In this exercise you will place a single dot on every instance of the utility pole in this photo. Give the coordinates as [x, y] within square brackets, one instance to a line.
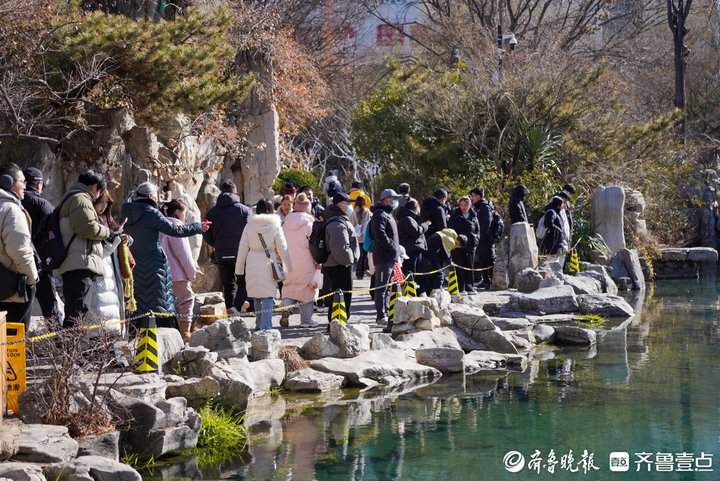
[498, 5]
[678, 12]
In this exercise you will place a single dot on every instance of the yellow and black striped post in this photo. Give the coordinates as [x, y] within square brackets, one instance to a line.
[338, 312]
[147, 356]
[573, 262]
[394, 294]
[453, 286]
[410, 288]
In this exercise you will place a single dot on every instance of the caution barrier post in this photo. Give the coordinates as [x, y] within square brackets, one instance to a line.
[453, 286]
[147, 355]
[410, 288]
[15, 365]
[338, 312]
[394, 294]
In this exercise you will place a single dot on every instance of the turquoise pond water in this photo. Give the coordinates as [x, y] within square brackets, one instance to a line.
[651, 388]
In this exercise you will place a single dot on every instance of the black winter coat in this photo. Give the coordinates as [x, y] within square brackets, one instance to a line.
[229, 218]
[552, 241]
[433, 211]
[39, 209]
[516, 207]
[469, 227]
[484, 211]
[385, 235]
[411, 231]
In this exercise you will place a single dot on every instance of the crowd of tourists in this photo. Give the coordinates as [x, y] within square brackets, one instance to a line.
[293, 247]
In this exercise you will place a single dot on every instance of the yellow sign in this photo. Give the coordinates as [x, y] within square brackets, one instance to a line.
[15, 365]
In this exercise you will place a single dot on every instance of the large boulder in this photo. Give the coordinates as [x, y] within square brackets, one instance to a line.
[21, 472]
[583, 284]
[703, 255]
[607, 215]
[554, 300]
[605, 305]
[626, 263]
[600, 274]
[446, 360]
[170, 342]
[388, 367]
[265, 344]
[352, 339]
[310, 380]
[96, 468]
[493, 340]
[320, 346]
[43, 443]
[501, 275]
[105, 445]
[228, 338]
[149, 387]
[511, 323]
[442, 337]
[574, 336]
[381, 340]
[470, 319]
[479, 360]
[528, 280]
[523, 250]
[195, 389]
[543, 333]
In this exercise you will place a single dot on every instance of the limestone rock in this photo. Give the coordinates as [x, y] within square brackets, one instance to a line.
[9, 435]
[703, 255]
[310, 380]
[195, 389]
[553, 300]
[478, 360]
[626, 263]
[265, 344]
[501, 276]
[442, 297]
[410, 310]
[194, 362]
[381, 340]
[583, 284]
[386, 367]
[523, 250]
[169, 343]
[442, 337]
[551, 281]
[149, 387]
[528, 280]
[607, 215]
[444, 359]
[228, 338]
[352, 339]
[543, 333]
[471, 320]
[105, 445]
[43, 443]
[600, 274]
[320, 346]
[605, 305]
[511, 324]
[574, 336]
[496, 340]
[259, 376]
[428, 324]
[96, 468]
[21, 472]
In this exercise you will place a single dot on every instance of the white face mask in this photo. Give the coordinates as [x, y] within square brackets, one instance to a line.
[395, 204]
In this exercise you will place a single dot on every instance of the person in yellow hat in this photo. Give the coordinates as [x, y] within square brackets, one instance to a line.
[356, 191]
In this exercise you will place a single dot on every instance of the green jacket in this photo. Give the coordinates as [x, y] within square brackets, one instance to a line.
[78, 218]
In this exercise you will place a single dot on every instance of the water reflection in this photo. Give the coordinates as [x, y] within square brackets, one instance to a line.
[651, 384]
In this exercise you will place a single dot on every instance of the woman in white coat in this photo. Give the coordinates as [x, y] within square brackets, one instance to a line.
[254, 263]
[301, 285]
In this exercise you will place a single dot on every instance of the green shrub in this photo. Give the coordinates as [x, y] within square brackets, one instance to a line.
[300, 178]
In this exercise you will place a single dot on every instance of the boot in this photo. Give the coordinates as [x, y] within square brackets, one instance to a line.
[285, 319]
[186, 330]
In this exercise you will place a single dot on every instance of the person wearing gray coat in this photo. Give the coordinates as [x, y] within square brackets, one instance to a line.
[343, 249]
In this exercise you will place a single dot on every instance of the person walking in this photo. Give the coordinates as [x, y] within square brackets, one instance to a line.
[360, 220]
[343, 250]
[105, 298]
[433, 210]
[386, 251]
[183, 267]
[552, 241]
[464, 221]
[485, 253]
[152, 277]
[516, 207]
[302, 283]
[19, 271]
[411, 232]
[263, 252]
[39, 209]
[228, 219]
[83, 235]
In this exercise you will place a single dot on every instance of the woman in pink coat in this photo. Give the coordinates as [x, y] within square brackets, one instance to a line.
[302, 283]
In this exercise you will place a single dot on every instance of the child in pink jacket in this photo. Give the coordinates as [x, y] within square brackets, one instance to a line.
[183, 267]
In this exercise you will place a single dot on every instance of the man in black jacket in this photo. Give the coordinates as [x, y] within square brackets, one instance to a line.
[485, 253]
[463, 221]
[229, 218]
[386, 250]
[39, 209]
[316, 209]
[433, 210]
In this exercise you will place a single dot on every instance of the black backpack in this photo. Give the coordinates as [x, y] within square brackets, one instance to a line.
[49, 244]
[496, 226]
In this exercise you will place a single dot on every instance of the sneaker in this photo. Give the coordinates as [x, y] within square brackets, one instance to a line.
[309, 324]
[382, 321]
[387, 329]
[245, 307]
[285, 319]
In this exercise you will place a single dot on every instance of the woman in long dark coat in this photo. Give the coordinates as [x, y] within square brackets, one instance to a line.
[553, 241]
[464, 221]
[153, 280]
[516, 207]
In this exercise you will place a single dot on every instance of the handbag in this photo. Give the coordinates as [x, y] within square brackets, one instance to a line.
[277, 270]
[12, 283]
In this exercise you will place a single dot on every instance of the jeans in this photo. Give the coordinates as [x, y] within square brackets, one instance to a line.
[383, 273]
[234, 287]
[76, 285]
[46, 295]
[263, 313]
[339, 277]
[19, 311]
